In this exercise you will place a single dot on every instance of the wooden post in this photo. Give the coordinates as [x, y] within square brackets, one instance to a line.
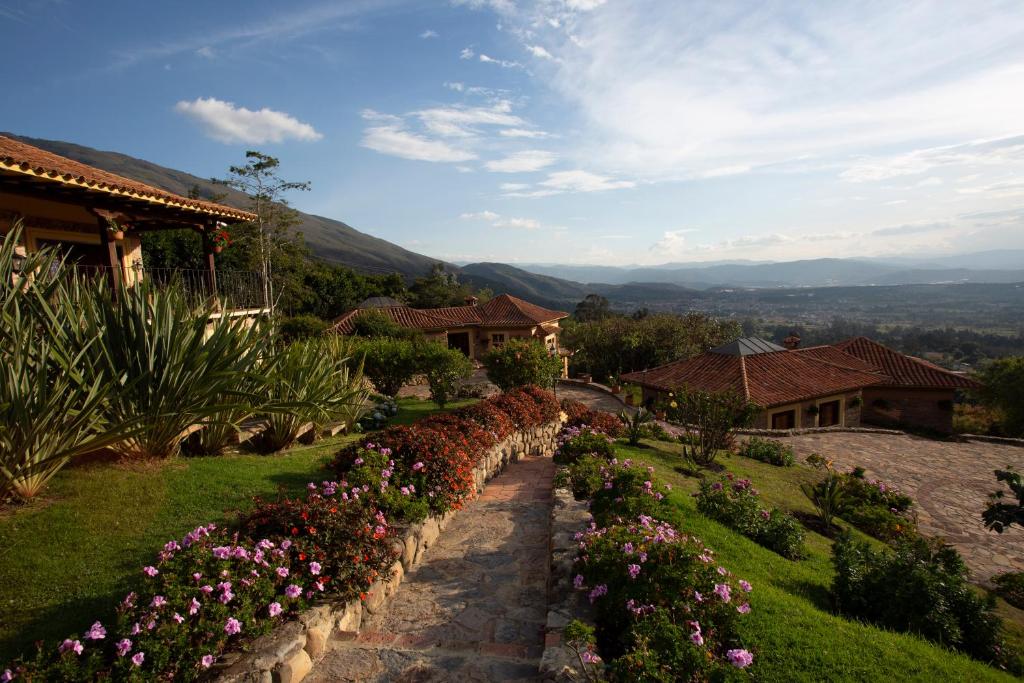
[111, 245]
[211, 258]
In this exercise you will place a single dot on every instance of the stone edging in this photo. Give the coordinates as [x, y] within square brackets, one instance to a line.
[288, 654]
[1005, 440]
[568, 516]
[816, 430]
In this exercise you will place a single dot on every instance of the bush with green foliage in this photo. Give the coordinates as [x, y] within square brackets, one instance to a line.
[575, 442]
[520, 363]
[737, 505]
[375, 323]
[1003, 389]
[444, 368]
[771, 451]
[709, 420]
[827, 496]
[1010, 585]
[920, 586]
[389, 363]
[999, 515]
[300, 328]
[636, 424]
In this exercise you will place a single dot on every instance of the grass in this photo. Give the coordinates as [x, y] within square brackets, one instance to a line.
[66, 560]
[794, 634]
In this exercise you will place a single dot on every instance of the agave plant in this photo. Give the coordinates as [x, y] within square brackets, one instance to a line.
[635, 424]
[172, 366]
[312, 383]
[51, 399]
[827, 495]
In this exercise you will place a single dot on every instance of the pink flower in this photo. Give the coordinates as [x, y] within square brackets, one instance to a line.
[589, 657]
[741, 659]
[274, 609]
[746, 586]
[193, 607]
[159, 601]
[96, 632]
[293, 591]
[138, 658]
[722, 591]
[124, 646]
[206, 662]
[696, 638]
[634, 570]
[744, 608]
[417, 467]
[71, 646]
[282, 572]
[207, 589]
[150, 571]
[178, 618]
[314, 568]
[577, 582]
[136, 629]
[6, 676]
[233, 627]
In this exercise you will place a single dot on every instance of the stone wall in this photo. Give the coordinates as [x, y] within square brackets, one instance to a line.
[289, 653]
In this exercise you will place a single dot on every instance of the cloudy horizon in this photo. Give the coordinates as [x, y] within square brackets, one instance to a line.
[568, 131]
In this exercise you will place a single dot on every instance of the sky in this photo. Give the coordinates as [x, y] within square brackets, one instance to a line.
[563, 131]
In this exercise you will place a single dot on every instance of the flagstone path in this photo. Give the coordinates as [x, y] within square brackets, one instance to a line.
[475, 608]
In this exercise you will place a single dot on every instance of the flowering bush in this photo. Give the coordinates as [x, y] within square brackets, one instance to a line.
[578, 414]
[665, 609]
[575, 442]
[874, 507]
[771, 451]
[737, 505]
[202, 594]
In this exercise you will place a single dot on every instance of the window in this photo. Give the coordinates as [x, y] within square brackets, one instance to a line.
[497, 339]
[784, 420]
[828, 414]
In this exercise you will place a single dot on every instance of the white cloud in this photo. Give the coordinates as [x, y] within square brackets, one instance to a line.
[522, 162]
[985, 152]
[513, 187]
[503, 63]
[429, 33]
[467, 53]
[584, 5]
[522, 133]
[539, 52]
[391, 137]
[460, 121]
[206, 52]
[583, 181]
[929, 182]
[499, 221]
[457, 86]
[228, 123]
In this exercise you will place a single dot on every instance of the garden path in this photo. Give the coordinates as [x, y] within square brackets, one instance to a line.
[475, 608]
[948, 481]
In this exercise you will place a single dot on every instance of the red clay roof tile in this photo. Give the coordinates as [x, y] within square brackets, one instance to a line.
[902, 370]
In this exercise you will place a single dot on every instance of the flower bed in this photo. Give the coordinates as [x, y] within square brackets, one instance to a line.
[213, 589]
[771, 451]
[579, 415]
[664, 609]
[736, 504]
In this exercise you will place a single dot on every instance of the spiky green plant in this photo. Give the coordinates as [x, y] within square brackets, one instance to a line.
[51, 399]
[172, 366]
[313, 383]
[635, 424]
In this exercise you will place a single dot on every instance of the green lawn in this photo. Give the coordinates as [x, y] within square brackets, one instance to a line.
[794, 634]
[67, 559]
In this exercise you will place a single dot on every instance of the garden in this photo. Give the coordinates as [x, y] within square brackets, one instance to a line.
[841, 587]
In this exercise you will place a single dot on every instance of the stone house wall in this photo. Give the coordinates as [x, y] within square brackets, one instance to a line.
[899, 407]
[289, 653]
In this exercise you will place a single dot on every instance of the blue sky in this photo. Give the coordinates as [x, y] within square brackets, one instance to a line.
[574, 131]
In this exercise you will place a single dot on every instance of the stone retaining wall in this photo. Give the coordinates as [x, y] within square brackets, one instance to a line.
[816, 430]
[568, 516]
[289, 653]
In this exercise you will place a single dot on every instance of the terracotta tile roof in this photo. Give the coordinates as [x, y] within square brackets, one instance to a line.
[19, 158]
[902, 370]
[509, 310]
[767, 379]
[458, 315]
[830, 354]
[412, 318]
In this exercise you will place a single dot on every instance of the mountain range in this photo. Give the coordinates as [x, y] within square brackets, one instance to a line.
[562, 285]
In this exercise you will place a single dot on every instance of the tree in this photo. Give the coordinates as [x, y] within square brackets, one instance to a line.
[593, 307]
[389, 363]
[444, 368]
[437, 289]
[300, 327]
[708, 421]
[999, 516]
[270, 240]
[374, 323]
[1003, 390]
[522, 362]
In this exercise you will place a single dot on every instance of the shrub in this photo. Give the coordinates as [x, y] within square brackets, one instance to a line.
[575, 442]
[444, 368]
[737, 505]
[300, 328]
[635, 424]
[627, 492]
[665, 610]
[389, 363]
[522, 362]
[577, 414]
[874, 507]
[999, 516]
[374, 323]
[1010, 585]
[771, 451]
[1003, 389]
[922, 587]
[709, 420]
[827, 495]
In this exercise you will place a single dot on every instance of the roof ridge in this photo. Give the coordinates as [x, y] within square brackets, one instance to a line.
[743, 374]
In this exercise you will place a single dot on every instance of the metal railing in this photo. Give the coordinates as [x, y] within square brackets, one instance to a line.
[238, 289]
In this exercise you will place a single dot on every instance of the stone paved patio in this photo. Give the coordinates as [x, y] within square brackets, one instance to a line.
[474, 609]
[950, 483]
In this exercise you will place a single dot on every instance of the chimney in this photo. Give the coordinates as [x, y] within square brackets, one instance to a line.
[471, 300]
[792, 341]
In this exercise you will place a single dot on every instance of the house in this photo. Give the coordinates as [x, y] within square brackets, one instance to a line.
[913, 393]
[473, 328]
[95, 219]
[814, 387]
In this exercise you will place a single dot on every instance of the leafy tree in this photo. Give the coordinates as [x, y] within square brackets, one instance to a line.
[375, 323]
[522, 362]
[593, 307]
[708, 420]
[437, 289]
[300, 327]
[1003, 382]
[444, 368]
[999, 516]
[389, 363]
[269, 244]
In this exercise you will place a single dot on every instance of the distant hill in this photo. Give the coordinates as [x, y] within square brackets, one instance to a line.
[329, 239]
